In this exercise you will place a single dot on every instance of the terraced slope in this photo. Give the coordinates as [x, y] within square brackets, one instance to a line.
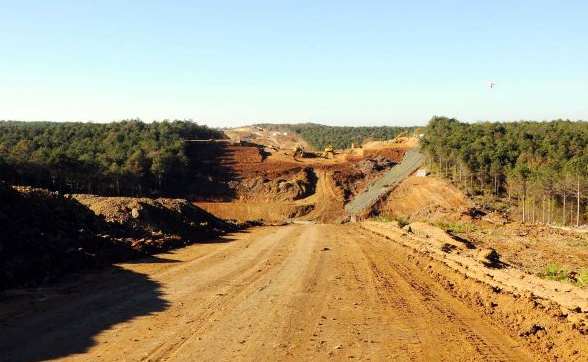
[411, 162]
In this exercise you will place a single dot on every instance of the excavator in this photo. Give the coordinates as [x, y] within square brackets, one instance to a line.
[298, 151]
[329, 152]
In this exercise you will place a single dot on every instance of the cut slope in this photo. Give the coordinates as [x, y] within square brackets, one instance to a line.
[372, 194]
[430, 198]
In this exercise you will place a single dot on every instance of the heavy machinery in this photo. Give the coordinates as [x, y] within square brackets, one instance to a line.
[329, 152]
[298, 151]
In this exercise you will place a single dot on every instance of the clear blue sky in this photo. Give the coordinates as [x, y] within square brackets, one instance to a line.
[226, 63]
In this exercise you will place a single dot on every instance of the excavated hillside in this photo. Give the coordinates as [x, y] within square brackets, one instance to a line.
[248, 181]
[426, 198]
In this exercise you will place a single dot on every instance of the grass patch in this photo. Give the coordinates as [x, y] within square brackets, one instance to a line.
[401, 222]
[455, 227]
[563, 274]
[578, 243]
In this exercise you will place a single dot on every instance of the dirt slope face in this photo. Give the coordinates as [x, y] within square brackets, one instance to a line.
[44, 235]
[300, 292]
[426, 198]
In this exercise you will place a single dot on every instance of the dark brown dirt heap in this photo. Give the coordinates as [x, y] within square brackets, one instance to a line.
[294, 185]
[152, 225]
[372, 165]
[44, 235]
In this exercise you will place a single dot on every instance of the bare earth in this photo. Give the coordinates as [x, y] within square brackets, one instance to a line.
[297, 292]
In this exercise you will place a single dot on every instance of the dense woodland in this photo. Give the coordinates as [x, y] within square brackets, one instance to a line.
[120, 158]
[540, 168]
[320, 136]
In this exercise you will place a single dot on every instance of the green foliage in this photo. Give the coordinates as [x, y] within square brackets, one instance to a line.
[537, 160]
[401, 222]
[454, 227]
[320, 136]
[578, 243]
[128, 157]
[563, 274]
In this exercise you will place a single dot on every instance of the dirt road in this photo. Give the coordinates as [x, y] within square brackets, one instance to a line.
[298, 292]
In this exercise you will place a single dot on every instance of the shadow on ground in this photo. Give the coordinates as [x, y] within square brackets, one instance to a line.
[64, 320]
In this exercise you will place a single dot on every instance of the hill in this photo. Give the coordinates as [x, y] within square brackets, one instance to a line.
[320, 136]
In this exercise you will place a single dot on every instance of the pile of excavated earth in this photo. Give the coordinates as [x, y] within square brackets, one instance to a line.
[46, 235]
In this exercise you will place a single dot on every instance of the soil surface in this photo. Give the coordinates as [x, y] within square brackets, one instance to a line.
[426, 198]
[297, 292]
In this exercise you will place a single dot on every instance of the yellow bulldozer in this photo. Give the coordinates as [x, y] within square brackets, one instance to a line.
[329, 152]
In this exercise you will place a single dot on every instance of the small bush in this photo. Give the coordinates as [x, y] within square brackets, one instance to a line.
[578, 243]
[563, 274]
[454, 227]
[401, 222]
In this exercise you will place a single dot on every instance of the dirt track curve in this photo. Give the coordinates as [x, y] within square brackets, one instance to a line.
[298, 292]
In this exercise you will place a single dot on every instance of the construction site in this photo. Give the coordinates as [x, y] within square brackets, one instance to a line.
[279, 252]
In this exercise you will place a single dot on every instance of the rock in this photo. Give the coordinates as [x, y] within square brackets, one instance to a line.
[577, 320]
[407, 228]
[135, 213]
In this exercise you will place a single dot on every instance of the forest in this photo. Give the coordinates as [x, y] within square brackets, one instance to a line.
[319, 136]
[120, 158]
[539, 169]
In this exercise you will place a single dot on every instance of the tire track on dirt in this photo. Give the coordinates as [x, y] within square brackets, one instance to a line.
[233, 286]
[252, 318]
[488, 342]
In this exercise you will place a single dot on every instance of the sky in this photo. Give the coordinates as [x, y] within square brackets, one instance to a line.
[229, 63]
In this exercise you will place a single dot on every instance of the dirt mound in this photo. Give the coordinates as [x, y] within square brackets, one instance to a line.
[289, 186]
[322, 201]
[372, 165]
[426, 198]
[45, 235]
[398, 143]
[156, 224]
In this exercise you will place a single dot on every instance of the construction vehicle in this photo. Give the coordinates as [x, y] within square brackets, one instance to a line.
[298, 151]
[329, 152]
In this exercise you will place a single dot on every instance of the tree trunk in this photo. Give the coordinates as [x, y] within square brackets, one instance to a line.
[564, 209]
[524, 200]
[578, 203]
[543, 210]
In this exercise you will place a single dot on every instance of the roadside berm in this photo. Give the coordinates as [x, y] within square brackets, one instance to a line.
[548, 316]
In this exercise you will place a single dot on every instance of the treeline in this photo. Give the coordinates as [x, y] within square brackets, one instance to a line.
[121, 158]
[320, 136]
[541, 167]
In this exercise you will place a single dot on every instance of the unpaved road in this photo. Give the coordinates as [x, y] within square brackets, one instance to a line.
[298, 292]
